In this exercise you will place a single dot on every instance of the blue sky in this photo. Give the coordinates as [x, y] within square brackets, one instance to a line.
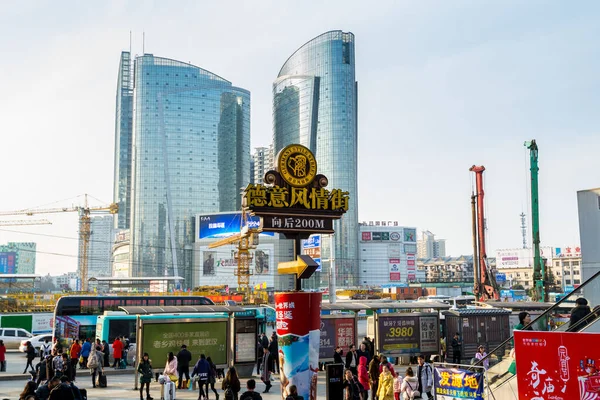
[443, 85]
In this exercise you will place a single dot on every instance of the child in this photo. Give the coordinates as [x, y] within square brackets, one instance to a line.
[397, 384]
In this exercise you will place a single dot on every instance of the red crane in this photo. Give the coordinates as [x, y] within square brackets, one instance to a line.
[485, 287]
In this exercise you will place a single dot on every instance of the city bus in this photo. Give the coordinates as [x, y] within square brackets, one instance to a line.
[75, 316]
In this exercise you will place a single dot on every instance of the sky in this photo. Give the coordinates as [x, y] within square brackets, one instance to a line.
[442, 85]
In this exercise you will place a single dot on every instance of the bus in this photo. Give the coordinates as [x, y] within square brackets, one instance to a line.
[75, 316]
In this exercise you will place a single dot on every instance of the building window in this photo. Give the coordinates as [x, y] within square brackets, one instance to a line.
[567, 281]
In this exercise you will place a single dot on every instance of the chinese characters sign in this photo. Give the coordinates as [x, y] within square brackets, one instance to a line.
[453, 383]
[209, 338]
[336, 332]
[407, 334]
[294, 197]
[297, 223]
[557, 365]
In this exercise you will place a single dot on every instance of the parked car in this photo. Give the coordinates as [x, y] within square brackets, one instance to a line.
[12, 337]
[36, 341]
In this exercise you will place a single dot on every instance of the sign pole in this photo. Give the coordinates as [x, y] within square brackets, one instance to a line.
[138, 351]
[332, 270]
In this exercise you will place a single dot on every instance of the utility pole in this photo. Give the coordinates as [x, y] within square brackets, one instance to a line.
[539, 269]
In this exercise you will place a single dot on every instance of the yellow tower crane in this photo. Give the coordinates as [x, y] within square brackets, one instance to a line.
[84, 228]
[246, 240]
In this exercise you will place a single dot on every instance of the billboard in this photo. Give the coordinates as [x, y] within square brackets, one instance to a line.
[261, 262]
[569, 251]
[336, 332]
[394, 269]
[407, 334]
[557, 365]
[456, 383]
[209, 338]
[8, 261]
[312, 247]
[224, 225]
[410, 235]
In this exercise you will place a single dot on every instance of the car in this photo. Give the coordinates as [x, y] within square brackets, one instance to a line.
[12, 336]
[36, 342]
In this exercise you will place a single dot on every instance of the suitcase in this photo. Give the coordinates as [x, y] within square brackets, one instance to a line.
[167, 391]
[102, 381]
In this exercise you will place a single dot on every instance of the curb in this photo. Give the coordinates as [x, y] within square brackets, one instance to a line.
[80, 372]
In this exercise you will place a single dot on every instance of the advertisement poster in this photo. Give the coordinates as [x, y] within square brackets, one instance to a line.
[312, 247]
[7, 262]
[66, 327]
[209, 338]
[410, 235]
[335, 332]
[224, 225]
[454, 383]
[208, 264]
[399, 334]
[557, 365]
[246, 346]
[41, 323]
[261, 262]
[298, 317]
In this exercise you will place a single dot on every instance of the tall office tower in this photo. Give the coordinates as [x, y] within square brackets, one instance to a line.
[123, 132]
[315, 104]
[190, 148]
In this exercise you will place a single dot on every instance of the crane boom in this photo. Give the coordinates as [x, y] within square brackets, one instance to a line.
[19, 222]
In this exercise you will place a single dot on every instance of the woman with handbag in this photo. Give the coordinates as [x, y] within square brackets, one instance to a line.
[94, 363]
[171, 368]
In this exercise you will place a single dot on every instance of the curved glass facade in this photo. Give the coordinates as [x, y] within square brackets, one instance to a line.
[191, 155]
[315, 104]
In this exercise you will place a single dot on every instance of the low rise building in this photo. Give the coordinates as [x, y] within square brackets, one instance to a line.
[448, 269]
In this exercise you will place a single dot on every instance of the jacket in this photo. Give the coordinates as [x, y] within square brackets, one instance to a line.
[479, 356]
[397, 384]
[363, 374]
[577, 314]
[202, 369]
[171, 368]
[408, 386]
[337, 358]
[349, 357]
[184, 357]
[43, 392]
[86, 349]
[353, 389]
[426, 377]
[30, 353]
[265, 373]
[385, 391]
[75, 350]
[145, 370]
[62, 392]
[248, 395]
[374, 371]
[117, 348]
[390, 367]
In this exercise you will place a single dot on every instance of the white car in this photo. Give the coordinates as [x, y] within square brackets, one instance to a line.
[13, 336]
[36, 342]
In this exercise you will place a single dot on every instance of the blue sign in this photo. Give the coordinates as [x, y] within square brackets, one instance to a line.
[7, 262]
[501, 277]
[569, 288]
[224, 225]
[312, 247]
[455, 383]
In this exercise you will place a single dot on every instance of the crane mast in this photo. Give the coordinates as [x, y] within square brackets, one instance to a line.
[539, 269]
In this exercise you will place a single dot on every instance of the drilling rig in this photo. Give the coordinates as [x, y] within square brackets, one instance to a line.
[485, 286]
[539, 269]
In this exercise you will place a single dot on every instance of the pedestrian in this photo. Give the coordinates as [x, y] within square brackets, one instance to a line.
[202, 370]
[43, 392]
[266, 372]
[2, 356]
[424, 376]
[171, 367]
[385, 363]
[293, 393]
[41, 371]
[184, 357]
[57, 365]
[30, 357]
[374, 376]
[524, 320]
[212, 378]
[480, 355]
[397, 386]
[85, 352]
[117, 352]
[363, 376]
[409, 386]
[126, 345]
[94, 363]
[352, 359]
[29, 390]
[75, 352]
[352, 387]
[67, 368]
[145, 371]
[337, 355]
[456, 348]
[264, 341]
[443, 348]
[250, 394]
[579, 313]
[231, 384]
[385, 390]
[363, 351]
[45, 349]
[274, 349]
[106, 352]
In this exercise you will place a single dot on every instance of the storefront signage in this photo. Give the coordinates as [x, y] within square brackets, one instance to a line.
[455, 383]
[298, 224]
[407, 334]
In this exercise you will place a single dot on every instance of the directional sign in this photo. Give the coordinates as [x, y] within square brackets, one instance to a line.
[303, 267]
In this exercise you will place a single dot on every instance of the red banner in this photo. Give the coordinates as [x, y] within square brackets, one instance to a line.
[557, 365]
[297, 312]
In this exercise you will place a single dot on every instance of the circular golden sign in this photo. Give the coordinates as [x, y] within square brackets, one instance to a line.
[297, 165]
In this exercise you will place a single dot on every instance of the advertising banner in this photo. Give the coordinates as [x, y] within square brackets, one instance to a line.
[298, 329]
[209, 338]
[66, 328]
[407, 334]
[7, 262]
[410, 235]
[336, 332]
[557, 365]
[246, 331]
[366, 236]
[312, 247]
[41, 323]
[224, 225]
[454, 383]
[394, 269]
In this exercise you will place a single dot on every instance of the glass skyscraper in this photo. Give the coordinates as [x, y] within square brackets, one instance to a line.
[315, 104]
[190, 154]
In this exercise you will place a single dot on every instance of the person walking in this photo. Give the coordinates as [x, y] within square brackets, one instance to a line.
[250, 394]
[424, 376]
[2, 356]
[456, 348]
[184, 357]
[409, 385]
[74, 352]
[259, 355]
[85, 352]
[231, 384]
[212, 378]
[274, 349]
[117, 352]
[202, 369]
[363, 376]
[145, 371]
[30, 357]
[266, 372]
[374, 375]
[385, 363]
[94, 363]
[385, 390]
[480, 355]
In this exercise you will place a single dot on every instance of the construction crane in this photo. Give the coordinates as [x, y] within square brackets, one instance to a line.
[485, 286]
[246, 240]
[84, 228]
[19, 222]
[539, 269]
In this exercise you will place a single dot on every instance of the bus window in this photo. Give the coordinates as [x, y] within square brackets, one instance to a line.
[152, 302]
[89, 306]
[121, 327]
[172, 302]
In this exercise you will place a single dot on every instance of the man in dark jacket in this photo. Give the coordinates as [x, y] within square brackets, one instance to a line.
[43, 392]
[250, 394]
[580, 312]
[184, 357]
[202, 369]
[456, 348]
[274, 349]
[337, 356]
[352, 360]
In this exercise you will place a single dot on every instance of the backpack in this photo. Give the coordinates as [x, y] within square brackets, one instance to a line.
[92, 361]
[412, 393]
[228, 394]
